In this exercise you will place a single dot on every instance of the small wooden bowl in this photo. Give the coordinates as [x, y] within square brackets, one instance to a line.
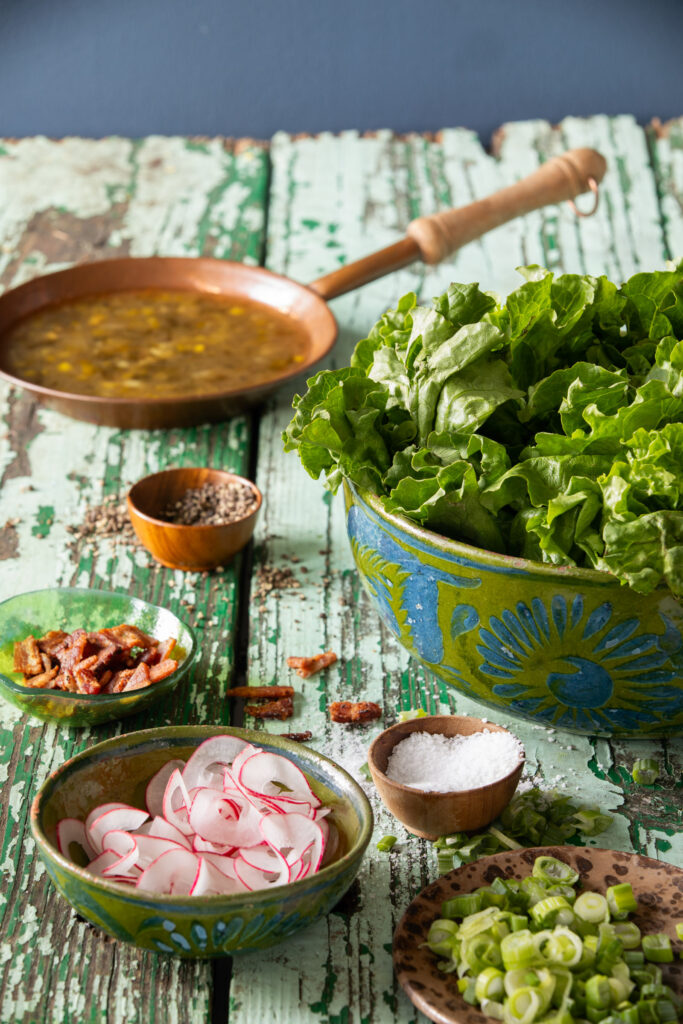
[193, 548]
[428, 814]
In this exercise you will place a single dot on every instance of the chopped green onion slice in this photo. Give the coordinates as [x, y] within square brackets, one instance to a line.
[598, 992]
[442, 937]
[645, 771]
[524, 1005]
[552, 870]
[552, 910]
[564, 947]
[518, 949]
[462, 905]
[679, 930]
[386, 843]
[489, 984]
[657, 948]
[628, 934]
[592, 907]
[620, 899]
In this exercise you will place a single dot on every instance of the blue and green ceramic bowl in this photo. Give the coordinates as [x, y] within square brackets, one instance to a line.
[70, 608]
[193, 926]
[564, 647]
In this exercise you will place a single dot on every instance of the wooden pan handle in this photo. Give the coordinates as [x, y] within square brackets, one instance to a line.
[562, 177]
[433, 238]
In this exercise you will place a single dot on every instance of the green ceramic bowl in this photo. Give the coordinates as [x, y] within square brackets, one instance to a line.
[193, 926]
[564, 647]
[70, 608]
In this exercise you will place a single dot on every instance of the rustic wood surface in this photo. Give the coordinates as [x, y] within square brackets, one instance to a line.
[302, 207]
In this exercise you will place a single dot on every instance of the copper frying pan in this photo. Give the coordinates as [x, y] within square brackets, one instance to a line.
[428, 238]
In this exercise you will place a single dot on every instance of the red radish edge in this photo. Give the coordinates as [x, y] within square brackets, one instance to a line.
[217, 825]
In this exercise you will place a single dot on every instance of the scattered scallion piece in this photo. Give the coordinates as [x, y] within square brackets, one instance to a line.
[410, 715]
[534, 818]
[386, 843]
[645, 771]
[365, 771]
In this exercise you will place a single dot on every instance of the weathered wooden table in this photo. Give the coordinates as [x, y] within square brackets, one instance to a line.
[301, 206]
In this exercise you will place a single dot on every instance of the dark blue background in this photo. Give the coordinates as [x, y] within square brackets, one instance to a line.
[133, 67]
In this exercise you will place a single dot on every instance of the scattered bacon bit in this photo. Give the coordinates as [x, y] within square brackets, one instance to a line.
[354, 711]
[109, 660]
[306, 667]
[260, 691]
[298, 737]
[283, 708]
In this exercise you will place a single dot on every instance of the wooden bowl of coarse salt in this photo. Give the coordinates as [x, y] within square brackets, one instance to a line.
[445, 773]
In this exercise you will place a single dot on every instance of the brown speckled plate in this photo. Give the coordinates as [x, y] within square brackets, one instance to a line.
[657, 886]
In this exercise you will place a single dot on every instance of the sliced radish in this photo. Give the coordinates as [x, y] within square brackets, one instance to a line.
[294, 833]
[210, 881]
[253, 878]
[235, 818]
[72, 830]
[267, 773]
[203, 846]
[210, 759]
[98, 811]
[122, 817]
[156, 787]
[176, 803]
[105, 860]
[162, 829]
[124, 845]
[173, 872]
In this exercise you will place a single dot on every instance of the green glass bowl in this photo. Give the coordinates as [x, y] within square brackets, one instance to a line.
[193, 926]
[70, 608]
[559, 646]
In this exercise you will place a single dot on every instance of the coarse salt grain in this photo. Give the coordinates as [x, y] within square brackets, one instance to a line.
[444, 764]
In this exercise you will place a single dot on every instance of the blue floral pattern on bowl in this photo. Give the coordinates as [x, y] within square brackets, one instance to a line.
[571, 648]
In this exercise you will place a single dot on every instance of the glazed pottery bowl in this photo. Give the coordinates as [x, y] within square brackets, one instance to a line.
[70, 608]
[194, 548]
[433, 814]
[193, 926]
[564, 647]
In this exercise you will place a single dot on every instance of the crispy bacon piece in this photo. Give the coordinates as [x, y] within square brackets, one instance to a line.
[161, 670]
[119, 680]
[283, 708]
[306, 667]
[138, 678]
[109, 660]
[128, 637]
[27, 657]
[260, 691]
[49, 643]
[45, 679]
[354, 711]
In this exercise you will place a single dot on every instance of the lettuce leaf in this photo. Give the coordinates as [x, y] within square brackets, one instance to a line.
[548, 426]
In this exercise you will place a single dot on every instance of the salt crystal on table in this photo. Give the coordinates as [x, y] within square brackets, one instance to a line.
[444, 764]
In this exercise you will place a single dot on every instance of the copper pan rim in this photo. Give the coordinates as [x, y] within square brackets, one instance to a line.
[193, 274]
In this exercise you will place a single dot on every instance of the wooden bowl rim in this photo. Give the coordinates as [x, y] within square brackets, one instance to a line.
[413, 725]
[162, 524]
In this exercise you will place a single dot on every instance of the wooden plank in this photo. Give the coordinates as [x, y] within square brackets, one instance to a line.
[75, 200]
[334, 199]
